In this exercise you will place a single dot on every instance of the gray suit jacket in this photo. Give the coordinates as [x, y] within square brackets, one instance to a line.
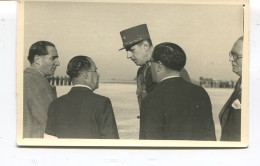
[36, 100]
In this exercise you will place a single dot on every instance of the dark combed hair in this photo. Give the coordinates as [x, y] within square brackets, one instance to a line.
[38, 48]
[170, 55]
[78, 64]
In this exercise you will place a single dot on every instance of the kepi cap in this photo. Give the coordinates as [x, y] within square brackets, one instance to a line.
[134, 35]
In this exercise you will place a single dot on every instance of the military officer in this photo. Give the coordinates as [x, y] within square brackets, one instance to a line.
[138, 44]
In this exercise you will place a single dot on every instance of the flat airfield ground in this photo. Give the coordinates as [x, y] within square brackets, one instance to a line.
[125, 105]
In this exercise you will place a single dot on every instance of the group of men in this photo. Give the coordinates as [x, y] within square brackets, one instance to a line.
[171, 107]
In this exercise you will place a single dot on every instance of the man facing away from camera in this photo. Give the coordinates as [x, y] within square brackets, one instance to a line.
[138, 44]
[82, 113]
[230, 115]
[175, 109]
[38, 95]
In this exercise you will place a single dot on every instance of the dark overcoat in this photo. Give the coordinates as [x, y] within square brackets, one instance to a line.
[230, 116]
[82, 114]
[177, 110]
[145, 83]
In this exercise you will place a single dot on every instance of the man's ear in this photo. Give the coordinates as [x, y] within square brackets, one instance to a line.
[160, 66]
[145, 45]
[85, 74]
[37, 59]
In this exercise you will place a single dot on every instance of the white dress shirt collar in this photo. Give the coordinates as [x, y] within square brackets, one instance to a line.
[169, 77]
[81, 85]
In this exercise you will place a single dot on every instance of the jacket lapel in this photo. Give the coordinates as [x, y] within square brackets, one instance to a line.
[223, 115]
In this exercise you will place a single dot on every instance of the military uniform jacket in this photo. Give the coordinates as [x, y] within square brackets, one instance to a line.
[177, 110]
[230, 116]
[37, 97]
[82, 114]
[145, 82]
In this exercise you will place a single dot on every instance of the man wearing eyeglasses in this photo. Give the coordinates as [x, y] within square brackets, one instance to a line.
[82, 113]
[175, 109]
[138, 44]
[230, 115]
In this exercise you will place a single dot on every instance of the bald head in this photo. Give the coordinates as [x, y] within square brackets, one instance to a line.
[238, 45]
[236, 56]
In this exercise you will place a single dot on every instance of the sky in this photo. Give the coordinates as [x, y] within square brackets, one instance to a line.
[205, 32]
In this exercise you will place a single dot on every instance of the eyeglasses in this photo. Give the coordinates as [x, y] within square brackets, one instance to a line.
[234, 56]
[149, 63]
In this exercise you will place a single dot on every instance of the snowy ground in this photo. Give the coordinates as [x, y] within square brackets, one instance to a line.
[124, 101]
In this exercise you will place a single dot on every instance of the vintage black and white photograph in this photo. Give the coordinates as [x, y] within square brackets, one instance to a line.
[137, 74]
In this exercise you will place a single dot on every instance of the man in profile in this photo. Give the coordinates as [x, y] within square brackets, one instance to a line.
[82, 113]
[38, 95]
[175, 109]
[230, 115]
[138, 44]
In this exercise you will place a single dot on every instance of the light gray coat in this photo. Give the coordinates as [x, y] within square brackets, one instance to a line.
[36, 100]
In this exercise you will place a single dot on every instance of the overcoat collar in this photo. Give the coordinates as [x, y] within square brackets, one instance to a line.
[34, 71]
